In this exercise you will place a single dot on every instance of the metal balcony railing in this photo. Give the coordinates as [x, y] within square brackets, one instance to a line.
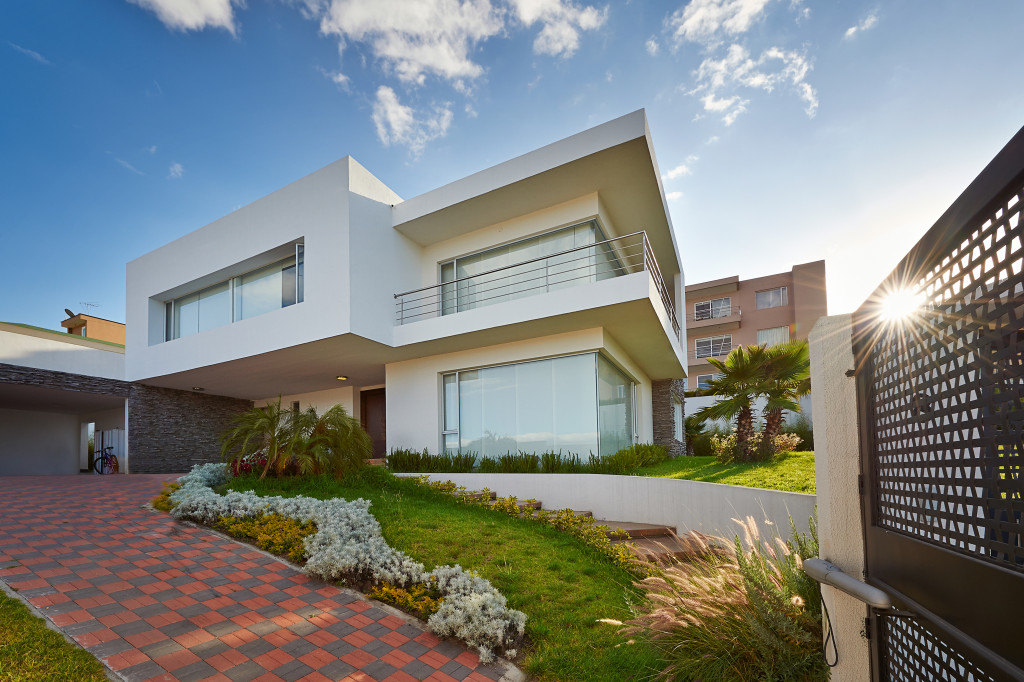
[714, 313]
[573, 267]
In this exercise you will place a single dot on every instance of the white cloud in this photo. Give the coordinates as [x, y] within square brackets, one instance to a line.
[775, 67]
[869, 21]
[175, 171]
[679, 171]
[709, 21]
[130, 167]
[711, 140]
[192, 15]
[150, 150]
[652, 46]
[674, 196]
[336, 77]
[399, 124]
[29, 53]
[414, 39]
[561, 21]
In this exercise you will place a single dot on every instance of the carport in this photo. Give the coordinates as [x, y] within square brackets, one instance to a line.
[52, 387]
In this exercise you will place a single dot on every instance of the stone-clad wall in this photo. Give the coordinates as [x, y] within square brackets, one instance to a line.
[169, 430]
[663, 391]
[48, 378]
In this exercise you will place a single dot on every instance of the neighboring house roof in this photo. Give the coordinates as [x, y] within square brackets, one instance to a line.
[43, 333]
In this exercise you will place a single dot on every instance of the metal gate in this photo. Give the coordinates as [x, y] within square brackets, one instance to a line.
[941, 410]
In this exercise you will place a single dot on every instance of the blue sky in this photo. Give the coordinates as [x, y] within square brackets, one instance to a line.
[786, 130]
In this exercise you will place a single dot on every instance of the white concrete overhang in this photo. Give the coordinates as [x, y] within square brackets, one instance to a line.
[45, 399]
[628, 307]
[615, 159]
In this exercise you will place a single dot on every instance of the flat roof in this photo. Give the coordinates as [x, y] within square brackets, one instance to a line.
[615, 159]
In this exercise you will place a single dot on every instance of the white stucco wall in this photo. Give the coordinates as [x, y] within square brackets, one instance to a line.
[321, 400]
[692, 405]
[39, 352]
[313, 209]
[414, 386]
[836, 468]
[34, 443]
[687, 505]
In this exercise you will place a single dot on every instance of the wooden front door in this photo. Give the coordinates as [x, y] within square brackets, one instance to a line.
[373, 417]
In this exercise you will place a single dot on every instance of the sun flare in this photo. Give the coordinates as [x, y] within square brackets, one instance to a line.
[900, 305]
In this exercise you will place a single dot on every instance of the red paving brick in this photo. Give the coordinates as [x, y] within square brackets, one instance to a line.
[150, 596]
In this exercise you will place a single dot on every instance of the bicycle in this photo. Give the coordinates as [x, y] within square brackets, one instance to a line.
[106, 462]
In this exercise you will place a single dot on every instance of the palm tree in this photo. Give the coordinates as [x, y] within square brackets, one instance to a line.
[787, 377]
[332, 442]
[261, 429]
[694, 429]
[741, 382]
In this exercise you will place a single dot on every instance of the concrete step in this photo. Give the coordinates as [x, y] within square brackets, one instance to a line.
[662, 548]
[637, 530]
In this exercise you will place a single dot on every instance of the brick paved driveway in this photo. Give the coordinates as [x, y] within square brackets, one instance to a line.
[158, 600]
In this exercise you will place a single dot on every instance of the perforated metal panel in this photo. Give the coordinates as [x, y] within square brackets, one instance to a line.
[941, 394]
[914, 653]
[948, 399]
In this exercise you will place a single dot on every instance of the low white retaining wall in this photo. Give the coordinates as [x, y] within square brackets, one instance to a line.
[687, 505]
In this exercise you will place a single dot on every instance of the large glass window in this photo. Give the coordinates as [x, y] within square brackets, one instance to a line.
[581, 404]
[773, 336]
[708, 310]
[772, 298]
[474, 282]
[713, 346]
[270, 288]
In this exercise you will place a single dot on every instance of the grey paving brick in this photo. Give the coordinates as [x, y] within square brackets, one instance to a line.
[418, 669]
[379, 670]
[141, 671]
[162, 648]
[256, 647]
[414, 649]
[200, 670]
[292, 671]
[245, 672]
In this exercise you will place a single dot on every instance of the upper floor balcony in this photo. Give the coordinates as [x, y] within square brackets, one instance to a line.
[564, 269]
[714, 318]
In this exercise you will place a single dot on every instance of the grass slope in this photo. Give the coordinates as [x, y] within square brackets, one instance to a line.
[792, 471]
[31, 651]
[561, 584]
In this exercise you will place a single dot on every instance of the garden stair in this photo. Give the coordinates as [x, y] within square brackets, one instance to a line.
[653, 542]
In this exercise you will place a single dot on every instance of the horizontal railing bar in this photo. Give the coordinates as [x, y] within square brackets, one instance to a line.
[454, 293]
[525, 262]
[481, 300]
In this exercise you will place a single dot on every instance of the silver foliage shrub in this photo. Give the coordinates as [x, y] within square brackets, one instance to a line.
[348, 542]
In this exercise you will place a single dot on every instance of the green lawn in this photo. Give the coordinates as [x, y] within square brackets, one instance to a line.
[561, 584]
[793, 471]
[30, 651]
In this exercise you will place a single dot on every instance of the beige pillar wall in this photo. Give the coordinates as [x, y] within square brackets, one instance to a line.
[836, 470]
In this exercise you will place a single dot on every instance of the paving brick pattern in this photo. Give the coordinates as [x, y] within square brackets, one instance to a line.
[158, 600]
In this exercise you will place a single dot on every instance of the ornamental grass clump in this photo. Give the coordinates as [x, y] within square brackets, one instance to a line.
[348, 546]
[740, 612]
[402, 460]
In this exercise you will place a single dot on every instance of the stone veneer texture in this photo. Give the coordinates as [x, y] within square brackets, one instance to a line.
[48, 378]
[663, 392]
[169, 431]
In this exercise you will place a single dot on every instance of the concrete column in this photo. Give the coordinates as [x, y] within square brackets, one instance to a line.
[836, 470]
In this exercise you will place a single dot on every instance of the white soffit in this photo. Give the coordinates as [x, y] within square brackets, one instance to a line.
[614, 159]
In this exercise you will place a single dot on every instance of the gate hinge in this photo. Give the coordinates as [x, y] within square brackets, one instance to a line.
[860, 483]
[867, 628]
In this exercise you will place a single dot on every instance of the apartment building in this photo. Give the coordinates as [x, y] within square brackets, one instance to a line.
[726, 313]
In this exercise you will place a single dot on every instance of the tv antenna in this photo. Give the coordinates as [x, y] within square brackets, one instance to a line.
[88, 306]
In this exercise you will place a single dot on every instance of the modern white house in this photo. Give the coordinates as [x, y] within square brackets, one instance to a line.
[531, 306]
